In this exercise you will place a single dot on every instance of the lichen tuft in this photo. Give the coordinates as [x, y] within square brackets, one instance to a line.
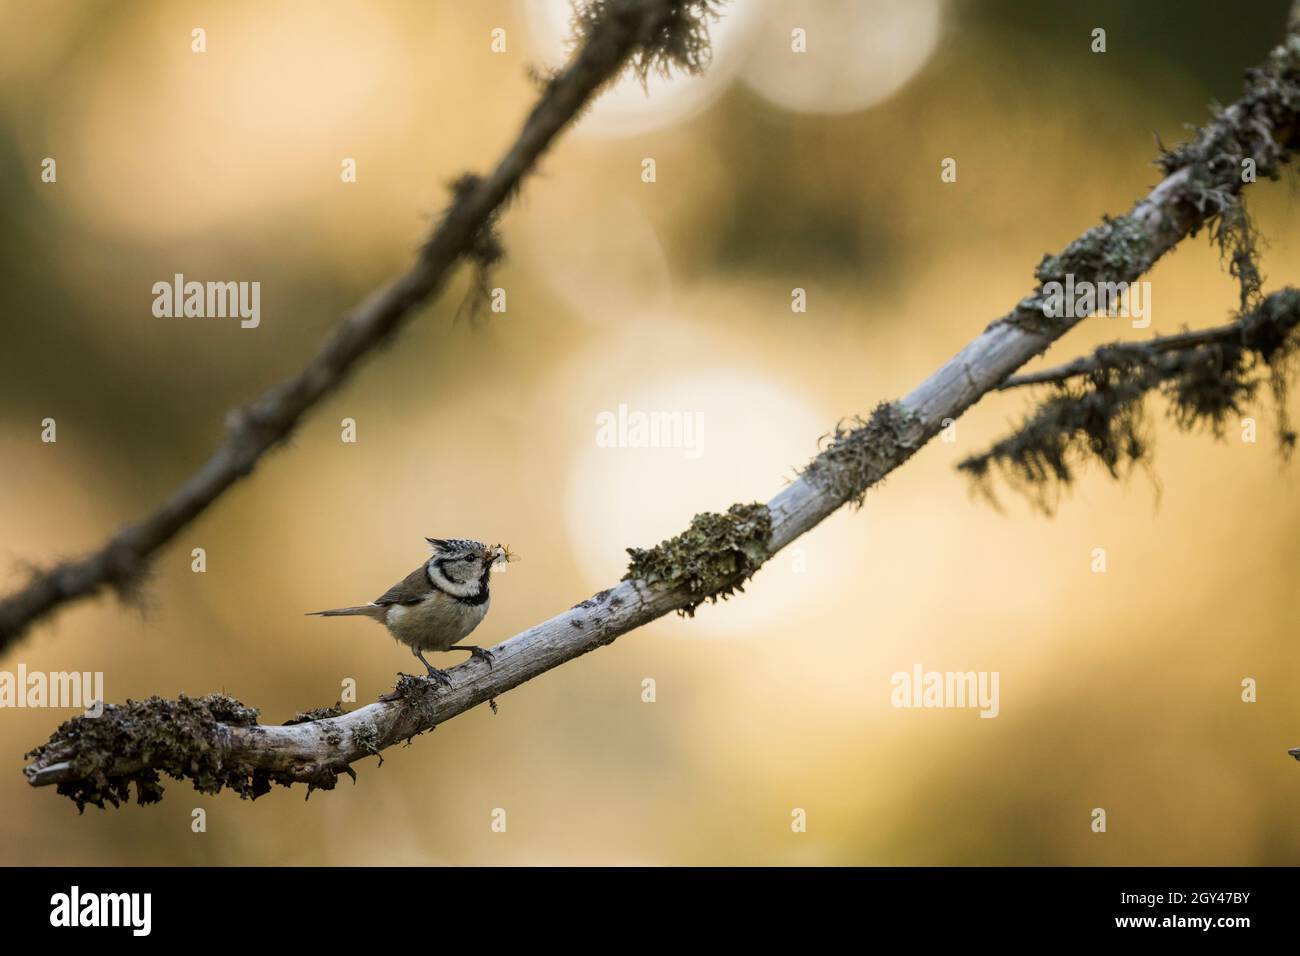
[676, 36]
[319, 713]
[1101, 416]
[711, 559]
[177, 737]
[417, 692]
[1257, 132]
[366, 738]
[485, 250]
[860, 452]
[1117, 250]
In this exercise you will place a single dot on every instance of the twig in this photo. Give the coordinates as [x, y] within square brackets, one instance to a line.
[1107, 356]
[93, 761]
[650, 33]
[1271, 321]
[1210, 377]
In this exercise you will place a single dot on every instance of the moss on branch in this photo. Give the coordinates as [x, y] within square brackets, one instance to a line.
[176, 737]
[860, 452]
[711, 559]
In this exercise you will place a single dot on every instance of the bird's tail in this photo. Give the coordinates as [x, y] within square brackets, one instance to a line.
[364, 610]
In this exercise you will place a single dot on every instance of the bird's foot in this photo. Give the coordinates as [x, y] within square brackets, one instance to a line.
[442, 677]
[481, 653]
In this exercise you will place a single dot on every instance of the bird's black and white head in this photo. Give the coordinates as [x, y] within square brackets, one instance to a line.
[461, 568]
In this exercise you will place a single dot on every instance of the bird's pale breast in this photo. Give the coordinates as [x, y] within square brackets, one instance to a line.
[436, 623]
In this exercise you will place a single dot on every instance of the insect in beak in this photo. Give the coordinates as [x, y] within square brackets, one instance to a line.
[501, 554]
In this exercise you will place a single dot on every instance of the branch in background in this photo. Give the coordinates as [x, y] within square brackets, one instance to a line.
[610, 34]
[1098, 413]
[216, 743]
[1107, 356]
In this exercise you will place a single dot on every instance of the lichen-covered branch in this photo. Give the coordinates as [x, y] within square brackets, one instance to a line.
[1209, 377]
[609, 34]
[1119, 352]
[719, 552]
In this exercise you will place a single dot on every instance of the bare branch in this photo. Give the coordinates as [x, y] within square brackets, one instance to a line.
[649, 33]
[216, 742]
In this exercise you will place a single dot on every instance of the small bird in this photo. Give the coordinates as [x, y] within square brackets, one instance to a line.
[438, 603]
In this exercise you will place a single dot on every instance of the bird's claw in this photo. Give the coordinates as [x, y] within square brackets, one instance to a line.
[440, 676]
[475, 651]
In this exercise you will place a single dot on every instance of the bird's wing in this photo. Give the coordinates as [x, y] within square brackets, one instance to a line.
[412, 589]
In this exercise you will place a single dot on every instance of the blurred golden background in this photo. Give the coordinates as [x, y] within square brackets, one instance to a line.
[1118, 690]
